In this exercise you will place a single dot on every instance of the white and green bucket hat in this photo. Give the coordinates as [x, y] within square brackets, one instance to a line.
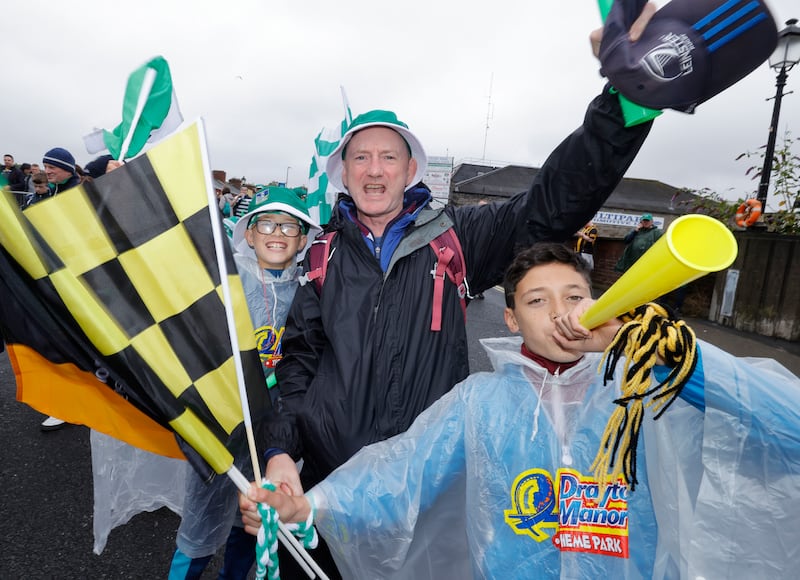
[376, 118]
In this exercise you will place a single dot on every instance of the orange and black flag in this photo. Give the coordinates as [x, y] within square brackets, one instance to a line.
[113, 313]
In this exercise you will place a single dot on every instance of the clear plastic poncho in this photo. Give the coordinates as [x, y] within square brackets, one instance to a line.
[493, 481]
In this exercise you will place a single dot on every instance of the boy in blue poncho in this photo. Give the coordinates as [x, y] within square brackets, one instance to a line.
[269, 241]
[498, 478]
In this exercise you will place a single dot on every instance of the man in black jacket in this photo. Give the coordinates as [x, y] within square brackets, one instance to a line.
[360, 357]
[59, 165]
[13, 174]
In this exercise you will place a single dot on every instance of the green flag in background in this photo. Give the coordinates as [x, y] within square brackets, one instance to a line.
[321, 196]
[149, 112]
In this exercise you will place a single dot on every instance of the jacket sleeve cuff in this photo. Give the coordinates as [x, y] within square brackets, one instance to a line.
[272, 452]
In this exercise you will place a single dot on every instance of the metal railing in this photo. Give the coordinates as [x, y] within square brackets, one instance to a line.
[21, 197]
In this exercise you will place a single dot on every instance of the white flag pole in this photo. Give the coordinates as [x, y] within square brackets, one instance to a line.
[289, 541]
[144, 93]
[216, 229]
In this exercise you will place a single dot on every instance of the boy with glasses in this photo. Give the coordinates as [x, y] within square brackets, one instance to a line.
[269, 241]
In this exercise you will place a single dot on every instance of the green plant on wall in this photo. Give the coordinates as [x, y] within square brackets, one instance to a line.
[785, 177]
[710, 203]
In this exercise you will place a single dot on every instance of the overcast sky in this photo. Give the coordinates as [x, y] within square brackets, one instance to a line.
[265, 77]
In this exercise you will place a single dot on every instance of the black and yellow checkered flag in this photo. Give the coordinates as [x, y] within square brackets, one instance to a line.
[132, 259]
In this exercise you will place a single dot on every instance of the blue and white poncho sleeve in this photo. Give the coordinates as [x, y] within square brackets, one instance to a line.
[725, 483]
[384, 494]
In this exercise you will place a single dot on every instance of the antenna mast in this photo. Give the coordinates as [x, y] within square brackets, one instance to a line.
[488, 116]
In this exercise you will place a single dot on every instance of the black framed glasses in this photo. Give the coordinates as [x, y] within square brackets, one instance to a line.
[266, 227]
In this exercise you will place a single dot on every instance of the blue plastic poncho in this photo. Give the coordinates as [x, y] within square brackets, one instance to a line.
[493, 481]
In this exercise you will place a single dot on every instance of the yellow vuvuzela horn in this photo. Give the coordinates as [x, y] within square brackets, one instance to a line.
[692, 246]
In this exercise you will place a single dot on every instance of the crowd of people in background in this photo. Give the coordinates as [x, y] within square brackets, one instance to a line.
[58, 171]
[32, 182]
[235, 205]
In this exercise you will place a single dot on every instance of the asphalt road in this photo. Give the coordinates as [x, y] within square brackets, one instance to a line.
[46, 478]
[46, 523]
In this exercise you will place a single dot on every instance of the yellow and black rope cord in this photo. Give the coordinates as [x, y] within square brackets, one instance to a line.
[648, 333]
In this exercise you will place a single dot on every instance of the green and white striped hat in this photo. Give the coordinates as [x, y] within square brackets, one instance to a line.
[376, 118]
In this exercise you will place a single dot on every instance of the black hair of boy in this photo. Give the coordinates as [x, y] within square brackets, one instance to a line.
[541, 255]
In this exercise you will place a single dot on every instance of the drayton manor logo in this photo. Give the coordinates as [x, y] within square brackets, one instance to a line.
[670, 59]
[573, 510]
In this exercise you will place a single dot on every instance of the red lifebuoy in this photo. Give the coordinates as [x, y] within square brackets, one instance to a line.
[748, 212]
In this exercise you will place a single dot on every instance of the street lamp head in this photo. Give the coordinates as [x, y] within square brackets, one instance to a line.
[787, 53]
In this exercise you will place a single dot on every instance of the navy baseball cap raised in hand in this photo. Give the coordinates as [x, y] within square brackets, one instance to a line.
[690, 51]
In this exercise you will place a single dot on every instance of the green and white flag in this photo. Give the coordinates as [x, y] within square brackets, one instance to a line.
[150, 112]
[321, 196]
